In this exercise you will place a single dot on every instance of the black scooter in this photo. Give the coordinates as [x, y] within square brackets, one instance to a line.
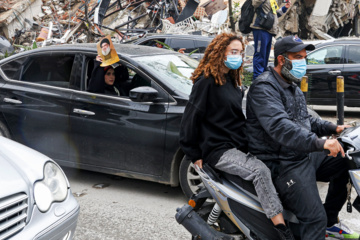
[227, 206]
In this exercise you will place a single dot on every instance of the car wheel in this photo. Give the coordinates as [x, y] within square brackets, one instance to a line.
[190, 181]
[4, 132]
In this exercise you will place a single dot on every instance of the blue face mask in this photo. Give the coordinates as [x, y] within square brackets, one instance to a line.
[298, 68]
[233, 61]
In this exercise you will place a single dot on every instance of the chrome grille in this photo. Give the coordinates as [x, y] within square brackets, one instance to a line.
[13, 213]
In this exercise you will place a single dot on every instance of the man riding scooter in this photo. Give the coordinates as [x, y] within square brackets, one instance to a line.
[283, 135]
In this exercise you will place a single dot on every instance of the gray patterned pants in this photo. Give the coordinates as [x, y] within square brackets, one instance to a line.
[249, 168]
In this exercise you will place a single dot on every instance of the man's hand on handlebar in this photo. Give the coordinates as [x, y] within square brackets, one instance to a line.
[341, 128]
[199, 163]
[334, 147]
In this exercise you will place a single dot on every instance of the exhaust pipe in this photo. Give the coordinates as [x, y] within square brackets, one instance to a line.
[198, 228]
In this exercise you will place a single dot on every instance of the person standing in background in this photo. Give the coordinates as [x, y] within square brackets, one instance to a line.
[265, 26]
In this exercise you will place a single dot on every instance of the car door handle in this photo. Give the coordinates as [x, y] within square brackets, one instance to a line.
[83, 112]
[10, 100]
[335, 72]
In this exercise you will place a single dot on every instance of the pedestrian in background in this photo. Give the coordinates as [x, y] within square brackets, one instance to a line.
[265, 26]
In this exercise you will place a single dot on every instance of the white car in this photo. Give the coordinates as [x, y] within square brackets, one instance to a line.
[35, 197]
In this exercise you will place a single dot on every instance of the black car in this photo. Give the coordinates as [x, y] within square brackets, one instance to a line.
[189, 42]
[332, 58]
[45, 105]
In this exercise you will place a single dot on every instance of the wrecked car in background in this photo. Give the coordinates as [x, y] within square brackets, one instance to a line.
[35, 197]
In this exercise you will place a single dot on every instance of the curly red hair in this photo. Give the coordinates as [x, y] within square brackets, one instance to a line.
[213, 60]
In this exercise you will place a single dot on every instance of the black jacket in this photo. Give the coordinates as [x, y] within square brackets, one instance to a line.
[213, 121]
[278, 124]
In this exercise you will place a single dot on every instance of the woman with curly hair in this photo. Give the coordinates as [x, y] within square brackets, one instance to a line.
[213, 125]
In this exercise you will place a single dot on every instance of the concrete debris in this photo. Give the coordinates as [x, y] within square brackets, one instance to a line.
[23, 22]
[325, 19]
[81, 21]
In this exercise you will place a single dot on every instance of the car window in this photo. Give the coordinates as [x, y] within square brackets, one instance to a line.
[202, 45]
[188, 44]
[135, 78]
[12, 69]
[326, 55]
[76, 73]
[52, 70]
[175, 70]
[354, 54]
[152, 42]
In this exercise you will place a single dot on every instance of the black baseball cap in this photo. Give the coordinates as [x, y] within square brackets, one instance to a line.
[290, 44]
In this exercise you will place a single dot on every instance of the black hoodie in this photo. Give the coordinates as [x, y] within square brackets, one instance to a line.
[213, 121]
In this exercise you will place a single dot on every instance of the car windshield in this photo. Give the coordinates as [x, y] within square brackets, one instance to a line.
[174, 69]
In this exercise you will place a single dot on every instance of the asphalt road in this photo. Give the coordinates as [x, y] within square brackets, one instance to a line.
[126, 209]
[133, 209]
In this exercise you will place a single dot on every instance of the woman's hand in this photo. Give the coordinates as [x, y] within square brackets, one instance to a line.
[98, 58]
[199, 163]
[182, 50]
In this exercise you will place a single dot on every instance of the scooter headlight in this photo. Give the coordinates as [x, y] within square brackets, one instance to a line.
[53, 188]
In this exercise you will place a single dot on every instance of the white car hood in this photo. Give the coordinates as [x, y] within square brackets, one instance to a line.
[20, 167]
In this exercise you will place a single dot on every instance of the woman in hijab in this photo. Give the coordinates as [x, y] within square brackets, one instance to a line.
[107, 79]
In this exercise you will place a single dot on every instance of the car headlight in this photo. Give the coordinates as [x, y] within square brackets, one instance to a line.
[53, 188]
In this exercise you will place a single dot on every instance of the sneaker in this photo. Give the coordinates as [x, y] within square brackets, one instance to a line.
[284, 232]
[341, 231]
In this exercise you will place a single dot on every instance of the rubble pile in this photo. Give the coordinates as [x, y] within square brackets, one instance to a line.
[70, 21]
[322, 19]
[46, 22]
[4, 6]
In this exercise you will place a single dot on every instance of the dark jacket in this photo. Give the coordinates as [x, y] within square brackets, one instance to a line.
[278, 124]
[97, 82]
[213, 121]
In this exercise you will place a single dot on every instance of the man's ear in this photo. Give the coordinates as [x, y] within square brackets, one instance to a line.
[281, 60]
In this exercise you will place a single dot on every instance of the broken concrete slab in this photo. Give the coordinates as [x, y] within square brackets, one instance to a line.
[13, 18]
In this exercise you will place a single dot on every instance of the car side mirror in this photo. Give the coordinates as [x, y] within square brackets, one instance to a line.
[143, 94]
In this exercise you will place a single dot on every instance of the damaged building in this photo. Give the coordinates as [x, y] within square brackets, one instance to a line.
[77, 21]
[325, 19]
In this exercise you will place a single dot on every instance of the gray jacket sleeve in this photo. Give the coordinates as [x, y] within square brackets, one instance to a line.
[268, 108]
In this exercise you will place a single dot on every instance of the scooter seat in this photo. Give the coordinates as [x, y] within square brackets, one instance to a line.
[244, 184]
[217, 175]
[213, 174]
